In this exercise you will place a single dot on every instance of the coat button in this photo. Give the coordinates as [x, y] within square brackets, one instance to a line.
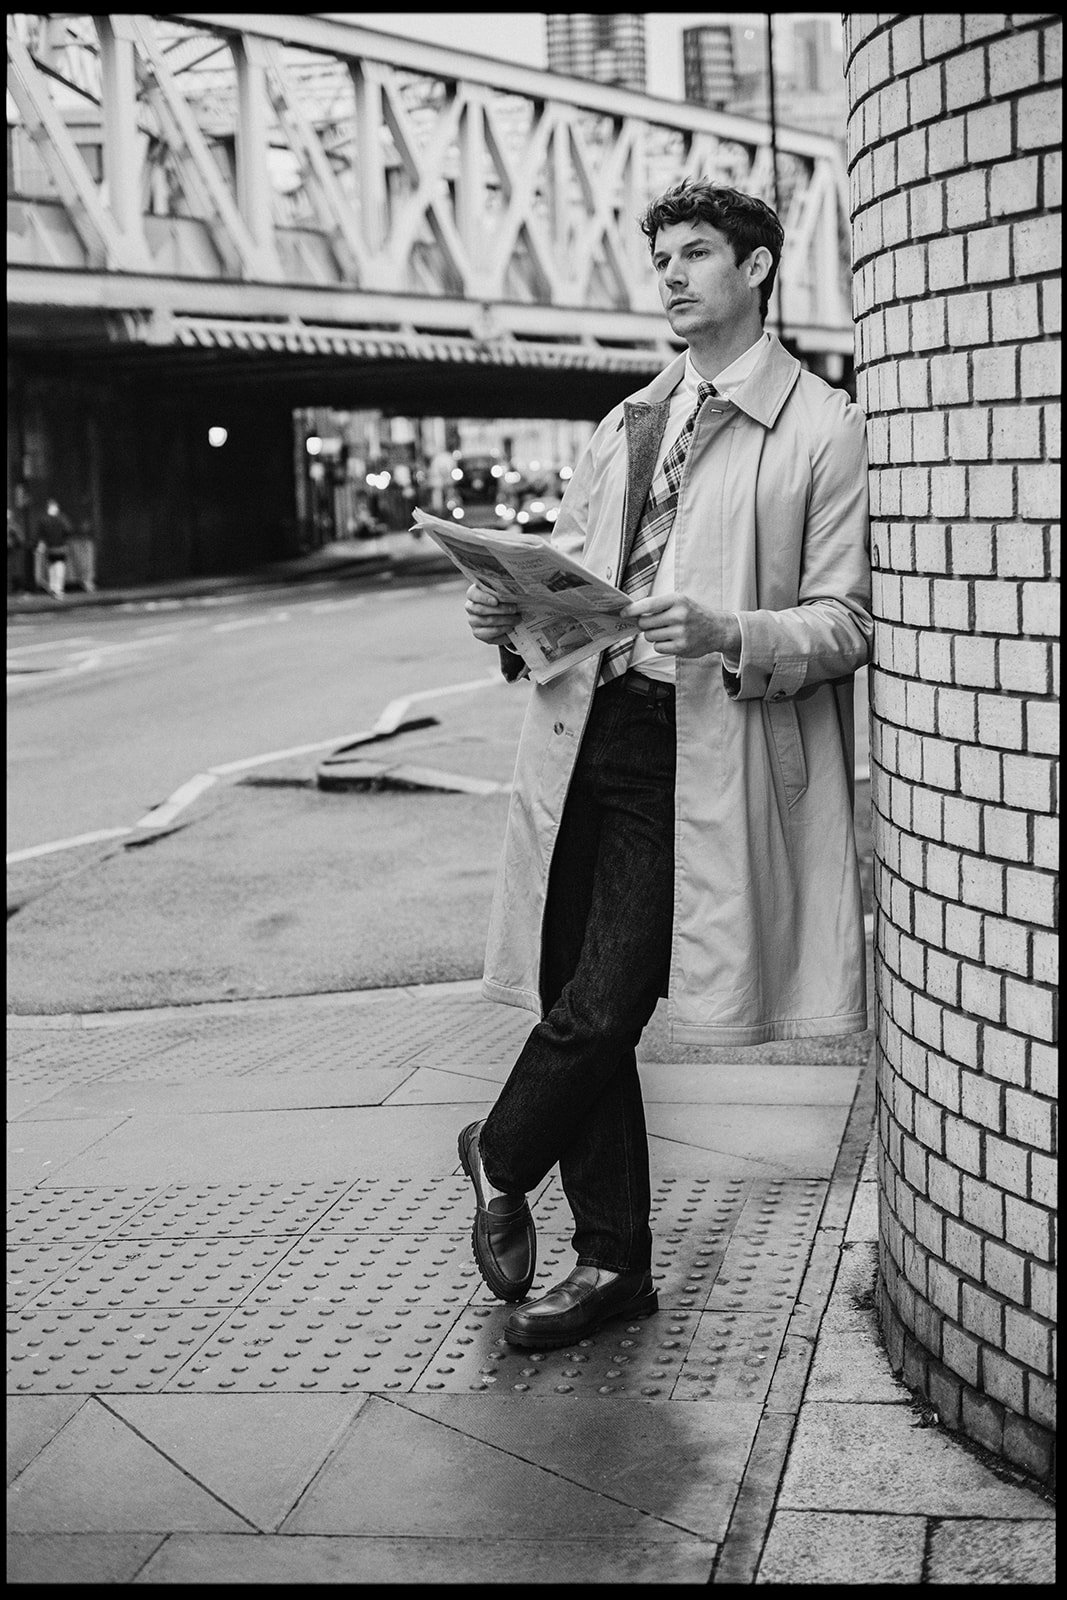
[781, 695]
[608, 573]
[558, 728]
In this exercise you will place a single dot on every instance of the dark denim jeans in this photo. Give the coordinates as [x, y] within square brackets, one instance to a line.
[574, 1095]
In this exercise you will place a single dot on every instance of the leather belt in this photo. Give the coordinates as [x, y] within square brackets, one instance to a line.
[654, 689]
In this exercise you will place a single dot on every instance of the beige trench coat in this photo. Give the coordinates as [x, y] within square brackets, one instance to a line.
[772, 525]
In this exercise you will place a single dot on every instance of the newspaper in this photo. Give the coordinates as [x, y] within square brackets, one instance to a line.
[567, 612]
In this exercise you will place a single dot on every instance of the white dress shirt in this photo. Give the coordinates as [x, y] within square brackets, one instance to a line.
[646, 658]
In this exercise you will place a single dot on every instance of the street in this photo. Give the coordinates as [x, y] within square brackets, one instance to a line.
[109, 711]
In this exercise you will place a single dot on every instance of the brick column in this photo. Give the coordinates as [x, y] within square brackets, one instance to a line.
[954, 162]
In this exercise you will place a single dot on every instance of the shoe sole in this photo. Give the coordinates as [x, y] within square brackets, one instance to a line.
[499, 1286]
[645, 1306]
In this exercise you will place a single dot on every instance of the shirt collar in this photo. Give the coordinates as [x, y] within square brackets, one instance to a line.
[731, 377]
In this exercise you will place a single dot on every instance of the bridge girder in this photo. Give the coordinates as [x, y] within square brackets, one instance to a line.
[207, 181]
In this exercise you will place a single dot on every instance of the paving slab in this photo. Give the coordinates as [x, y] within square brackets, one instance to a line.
[98, 1558]
[878, 1458]
[38, 1150]
[32, 1421]
[64, 1489]
[853, 1366]
[257, 1453]
[398, 1474]
[414, 1560]
[246, 1145]
[823, 1547]
[761, 1083]
[798, 1140]
[993, 1551]
[680, 1463]
[337, 1086]
[851, 1305]
[863, 1216]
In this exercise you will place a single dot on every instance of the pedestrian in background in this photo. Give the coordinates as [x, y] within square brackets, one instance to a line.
[16, 553]
[81, 549]
[681, 821]
[53, 533]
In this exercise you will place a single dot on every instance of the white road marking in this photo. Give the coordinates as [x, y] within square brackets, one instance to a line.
[48, 644]
[249, 622]
[68, 844]
[163, 815]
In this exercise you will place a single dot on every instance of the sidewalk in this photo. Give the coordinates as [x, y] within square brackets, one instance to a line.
[398, 551]
[249, 1343]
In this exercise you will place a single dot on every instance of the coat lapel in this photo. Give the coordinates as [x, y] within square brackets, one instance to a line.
[645, 424]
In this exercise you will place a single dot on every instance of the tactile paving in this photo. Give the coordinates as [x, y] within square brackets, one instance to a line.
[233, 1210]
[94, 1352]
[32, 1267]
[414, 1205]
[732, 1356]
[373, 1269]
[291, 1348]
[769, 1247]
[197, 1273]
[370, 1284]
[50, 1216]
[638, 1358]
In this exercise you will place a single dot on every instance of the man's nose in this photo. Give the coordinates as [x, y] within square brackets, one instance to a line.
[675, 273]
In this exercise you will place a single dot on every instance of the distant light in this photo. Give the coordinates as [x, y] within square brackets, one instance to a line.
[497, 471]
[535, 466]
[313, 444]
[523, 516]
[216, 437]
[458, 513]
[378, 480]
[566, 472]
[457, 473]
[512, 476]
[552, 515]
[537, 505]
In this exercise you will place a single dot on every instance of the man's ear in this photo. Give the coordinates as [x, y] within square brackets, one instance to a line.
[759, 265]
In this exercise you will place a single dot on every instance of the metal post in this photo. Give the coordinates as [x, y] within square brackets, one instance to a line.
[773, 118]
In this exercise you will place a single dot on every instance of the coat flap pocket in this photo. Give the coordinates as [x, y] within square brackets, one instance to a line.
[783, 722]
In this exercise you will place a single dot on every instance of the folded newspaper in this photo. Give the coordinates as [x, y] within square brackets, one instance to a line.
[567, 612]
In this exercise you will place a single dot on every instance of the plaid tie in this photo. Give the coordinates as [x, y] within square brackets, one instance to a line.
[652, 532]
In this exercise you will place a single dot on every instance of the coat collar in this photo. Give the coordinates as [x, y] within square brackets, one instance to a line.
[760, 397]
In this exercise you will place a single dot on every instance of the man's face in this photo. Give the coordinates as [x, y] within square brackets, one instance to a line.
[701, 285]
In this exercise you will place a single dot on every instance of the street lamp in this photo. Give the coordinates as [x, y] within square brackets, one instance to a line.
[773, 119]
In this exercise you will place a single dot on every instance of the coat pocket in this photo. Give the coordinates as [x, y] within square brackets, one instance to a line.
[783, 724]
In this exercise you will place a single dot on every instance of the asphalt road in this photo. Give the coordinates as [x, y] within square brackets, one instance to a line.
[258, 882]
[110, 710]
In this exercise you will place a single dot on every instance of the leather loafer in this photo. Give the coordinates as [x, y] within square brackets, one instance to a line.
[588, 1297]
[503, 1236]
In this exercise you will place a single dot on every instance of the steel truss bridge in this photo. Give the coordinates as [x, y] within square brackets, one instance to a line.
[267, 194]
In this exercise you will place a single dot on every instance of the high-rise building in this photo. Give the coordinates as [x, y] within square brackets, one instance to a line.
[719, 61]
[604, 46]
[725, 66]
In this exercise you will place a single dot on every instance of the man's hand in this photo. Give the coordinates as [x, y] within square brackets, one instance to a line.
[490, 619]
[677, 626]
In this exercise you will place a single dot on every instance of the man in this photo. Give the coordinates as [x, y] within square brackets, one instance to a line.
[53, 532]
[681, 821]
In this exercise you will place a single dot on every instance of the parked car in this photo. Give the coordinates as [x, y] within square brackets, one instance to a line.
[537, 513]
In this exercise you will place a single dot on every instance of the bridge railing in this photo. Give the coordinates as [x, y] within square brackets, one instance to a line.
[363, 179]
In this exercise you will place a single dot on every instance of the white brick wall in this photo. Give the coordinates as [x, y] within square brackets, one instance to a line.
[953, 143]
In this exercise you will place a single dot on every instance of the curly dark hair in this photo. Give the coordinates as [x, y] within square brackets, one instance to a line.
[745, 220]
